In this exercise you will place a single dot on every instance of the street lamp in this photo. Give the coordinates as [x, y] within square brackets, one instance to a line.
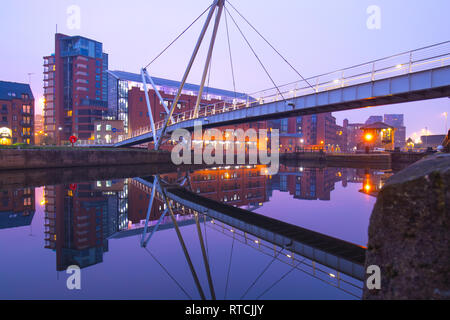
[368, 137]
[445, 114]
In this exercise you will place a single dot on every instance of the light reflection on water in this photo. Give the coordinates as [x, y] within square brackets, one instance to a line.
[98, 226]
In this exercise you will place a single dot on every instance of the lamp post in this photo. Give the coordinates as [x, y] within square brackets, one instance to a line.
[445, 114]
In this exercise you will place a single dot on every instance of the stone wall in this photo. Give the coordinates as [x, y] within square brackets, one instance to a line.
[409, 233]
[77, 157]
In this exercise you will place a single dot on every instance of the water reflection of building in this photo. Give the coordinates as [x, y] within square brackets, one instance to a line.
[16, 208]
[80, 218]
[240, 186]
[306, 183]
[374, 181]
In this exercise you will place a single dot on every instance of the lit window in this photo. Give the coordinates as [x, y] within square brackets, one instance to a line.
[108, 127]
[99, 127]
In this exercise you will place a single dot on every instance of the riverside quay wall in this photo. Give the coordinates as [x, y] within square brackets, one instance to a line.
[78, 157]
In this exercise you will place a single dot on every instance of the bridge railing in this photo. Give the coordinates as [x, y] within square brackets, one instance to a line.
[425, 58]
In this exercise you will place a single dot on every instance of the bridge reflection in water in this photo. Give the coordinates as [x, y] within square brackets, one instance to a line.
[81, 219]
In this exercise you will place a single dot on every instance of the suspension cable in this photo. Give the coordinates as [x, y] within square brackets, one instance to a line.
[267, 41]
[168, 273]
[261, 274]
[178, 37]
[231, 57]
[282, 277]
[254, 53]
[229, 269]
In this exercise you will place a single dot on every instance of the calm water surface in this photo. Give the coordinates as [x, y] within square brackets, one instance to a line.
[98, 225]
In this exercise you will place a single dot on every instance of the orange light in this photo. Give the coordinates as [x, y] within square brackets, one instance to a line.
[368, 137]
[367, 187]
[322, 142]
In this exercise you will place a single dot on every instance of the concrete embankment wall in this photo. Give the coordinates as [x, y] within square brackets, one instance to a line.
[77, 157]
[342, 158]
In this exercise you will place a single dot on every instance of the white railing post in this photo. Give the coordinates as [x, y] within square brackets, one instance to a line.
[410, 62]
[373, 71]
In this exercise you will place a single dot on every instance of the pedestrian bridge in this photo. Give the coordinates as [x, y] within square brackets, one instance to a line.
[411, 76]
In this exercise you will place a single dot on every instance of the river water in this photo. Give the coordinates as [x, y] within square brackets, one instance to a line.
[99, 226]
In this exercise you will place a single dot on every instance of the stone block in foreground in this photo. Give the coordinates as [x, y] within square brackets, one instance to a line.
[409, 233]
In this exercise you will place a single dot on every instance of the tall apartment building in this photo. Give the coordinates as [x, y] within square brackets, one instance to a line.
[75, 88]
[16, 113]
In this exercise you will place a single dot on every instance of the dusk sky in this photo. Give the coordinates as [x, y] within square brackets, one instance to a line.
[315, 36]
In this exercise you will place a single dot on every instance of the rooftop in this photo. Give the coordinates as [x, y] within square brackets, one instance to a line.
[122, 75]
[14, 90]
[377, 125]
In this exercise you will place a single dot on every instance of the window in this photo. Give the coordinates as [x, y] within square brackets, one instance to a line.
[108, 127]
[284, 125]
[99, 127]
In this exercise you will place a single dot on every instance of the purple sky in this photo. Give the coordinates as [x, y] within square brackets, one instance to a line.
[315, 36]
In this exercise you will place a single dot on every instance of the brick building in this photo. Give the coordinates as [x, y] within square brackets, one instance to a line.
[16, 113]
[354, 135]
[75, 88]
[311, 131]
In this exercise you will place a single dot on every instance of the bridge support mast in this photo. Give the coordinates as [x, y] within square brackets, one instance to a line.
[216, 4]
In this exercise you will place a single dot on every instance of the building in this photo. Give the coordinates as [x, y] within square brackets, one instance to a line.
[396, 121]
[126, 98]
[354, 135]
[75, 88]
[108, 131]
[374, 119]
[311, 131]
[16, 113]
[379, 135]
[431, 141]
